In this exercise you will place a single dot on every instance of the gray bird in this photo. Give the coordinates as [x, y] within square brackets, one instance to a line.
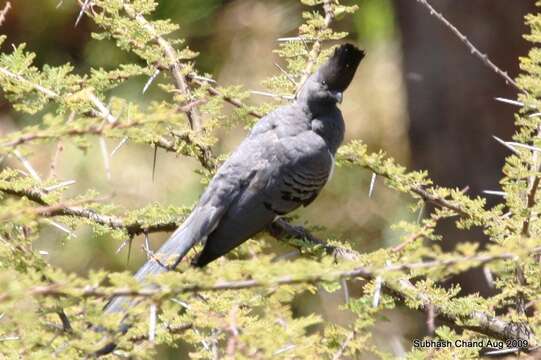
[284, 163]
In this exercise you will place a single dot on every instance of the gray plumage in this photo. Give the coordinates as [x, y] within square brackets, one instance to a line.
[283, 164]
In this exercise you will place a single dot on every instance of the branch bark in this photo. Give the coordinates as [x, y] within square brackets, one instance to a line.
[477, 321]
[472, 48]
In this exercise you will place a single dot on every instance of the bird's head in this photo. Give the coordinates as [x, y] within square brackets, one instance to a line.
[326, 85]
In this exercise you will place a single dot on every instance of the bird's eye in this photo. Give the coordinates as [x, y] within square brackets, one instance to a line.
[323, 82]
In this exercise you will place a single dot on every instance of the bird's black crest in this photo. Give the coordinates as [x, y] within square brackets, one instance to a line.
[339, 70]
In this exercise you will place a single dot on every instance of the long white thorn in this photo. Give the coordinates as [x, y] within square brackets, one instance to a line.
[294, 38]
[421, 213]
[60, 227]
[82, 12]
[345, 287]
[60, 185]
[377, 291]
[506, 144]
[277, 96]
[493, 192]
[151, 80]
[488, 276]
[287, 75]
[103, 110]
[525, 146]
[120, 144]
[509, 101]
[105, 155]
[202, 78]
[152, 323]
[27, 165]
[122, 246]
[372, 185]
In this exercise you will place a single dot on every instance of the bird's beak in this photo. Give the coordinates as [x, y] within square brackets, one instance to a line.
[338, 96]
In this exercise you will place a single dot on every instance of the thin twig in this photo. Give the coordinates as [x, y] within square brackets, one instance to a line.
[103, 112]
[66, 325]
[154, 161]
[134, 228]
[480, 321]
[316, 46]
[483, 57]
[215, 92]
[19, 78]
[179, 79]
[287, 75]
[343, 346]
[425, 194]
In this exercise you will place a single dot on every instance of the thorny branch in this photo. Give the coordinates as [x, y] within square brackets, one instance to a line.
[343, 346]
[280, 229]
[215, 92]
[483, 57]
[316, 46]
[204, 155]
[181, 83]
[478, 321]
[420, 191]
[179, 79]
[49, 210]
[534, 180]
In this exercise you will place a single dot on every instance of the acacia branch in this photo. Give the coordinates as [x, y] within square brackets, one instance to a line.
[215, 92]
[204, 154]
[478, 321]
[113, 222]
[16, 77]
[473, 50]
[420, 191]
[316, 46]
[403, 288]
[180, 81]
[279, 229]
[534, 182]
[175, 68]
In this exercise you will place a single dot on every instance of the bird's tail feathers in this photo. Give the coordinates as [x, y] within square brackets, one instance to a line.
[169, 255]
[173, 250]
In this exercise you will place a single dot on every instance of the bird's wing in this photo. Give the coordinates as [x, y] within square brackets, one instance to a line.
[306, 167]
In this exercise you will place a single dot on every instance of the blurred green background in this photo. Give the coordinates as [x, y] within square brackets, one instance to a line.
[419, 95]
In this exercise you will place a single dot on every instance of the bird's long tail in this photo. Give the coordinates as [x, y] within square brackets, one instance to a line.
[167, 257]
